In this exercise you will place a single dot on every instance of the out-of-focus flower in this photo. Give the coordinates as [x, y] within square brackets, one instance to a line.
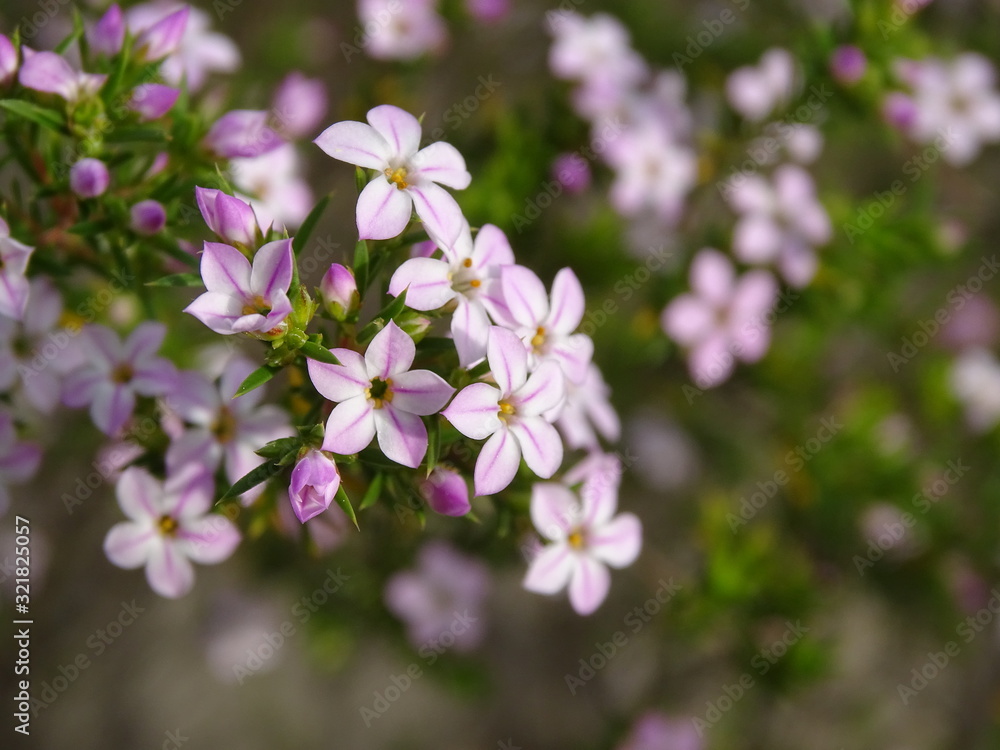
[315, 481]
[242, 133]
[327, 531]
[107, 36]
[512, 415]
[657, 731]
[899, 110]
[780, 222]
[488, 11]
[441, 601]
[153, 100]
[199, 51]
[115, 372]
[595, 51]
[546, 327]
[339, 291]
[162, 37]
[14, 288]
[957, 104]
[148, 217]
[89, 178]
[757, 91]
[379, 394]
[18, 460]
[169, 527]
[975, 381]
[585, 537]
[401, 30]
[232, 220]
[275, 187]
[587, 412]
[848, 64]
[245, 298]
[975, 322]
[468, 276]
[299, 105]
[49, 73]
[722, 319]
[410, 178]
[665, 457]
[446, 492]
[8, 61]
[35, 350]
[222, 430]
[572, 171]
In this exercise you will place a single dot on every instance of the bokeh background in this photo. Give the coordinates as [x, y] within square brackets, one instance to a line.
[873, 439]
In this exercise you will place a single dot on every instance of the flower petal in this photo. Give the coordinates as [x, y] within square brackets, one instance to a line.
[139, 494]
[390, 352]
[220, 312]
[617, 543]
[351, 426]
[497, 464]
[383, 210]
[420, 392]
[544, 390]
[491, 248]
[129, 545]
[144, 341]
[555, 510]
[340, 382]
[567, 307]
[474, 411]
[470, 328]
[225, 270]
[355, 143]
[439, 211]
[442, 163]
[401, 435]
[169, 572]
[540, 445]
[272, 269]
[574, 353]
[208, 540]
[525, 295]
[399, 128]
[112, 406]
[427, 282]
[589, 585]
[551, 569]
[508, 360]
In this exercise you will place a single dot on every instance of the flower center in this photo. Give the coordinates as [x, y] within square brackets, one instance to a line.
[538, 340]
[224, 427]
[577, 539]
[257, 305]
[506, 410]
[464, 280]
[123, 373]
[380, 392]
[167, 525]
[397, 176]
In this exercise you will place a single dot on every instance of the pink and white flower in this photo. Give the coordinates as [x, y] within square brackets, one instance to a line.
[275, 187]
[170, 526]
[514, 415]
[781, 222]
[242, 133]
[14, 287]
[244, 297]
[299, 105]
[49, 73]
[410, 177]
[314, 485]
[446, 492]
[722, 319]
[587, 414]
[585, 537]
[401, 30]
[469, 277]
[378, 394]
[546, 327]
[116, 372]
[756, 91]
[232, 220]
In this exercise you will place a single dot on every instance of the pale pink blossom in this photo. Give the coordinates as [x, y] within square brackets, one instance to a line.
[49, 73]
[756, 91]
[314, 484]
[273, 184]
[401, 29]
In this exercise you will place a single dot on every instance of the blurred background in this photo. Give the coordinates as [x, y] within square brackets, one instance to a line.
[821, 531]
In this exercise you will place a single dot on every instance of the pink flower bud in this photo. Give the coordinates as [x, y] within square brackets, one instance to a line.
[153, 100]
[89, 178]
[340, 291]
[446, 492]
[107, 35]
[242, 133]
[230, 218]
[572, 172]
[163, 37]
[315, 481]
[148, 217]
[8, 61]
[299, 105]
[848, 64]
[899, 110]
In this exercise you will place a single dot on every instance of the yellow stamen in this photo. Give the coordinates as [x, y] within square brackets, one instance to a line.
[539, 338]
[467, 262]
[475, 283]
[224, 427]
[380, 392]
[397, 176]
[123, 373]
[506, 410]
[167, 525]
[256, 305]
[576, 539]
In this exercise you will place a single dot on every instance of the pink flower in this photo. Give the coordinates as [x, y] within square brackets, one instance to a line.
[781, 222]
[446, 492]
[8, 61]
[107, 36]
[468, 276]
[299, 105]
[409, 178]
[722, 319]
[396, 30]
[339, 291]
[169, 527]
[596, 51]
[232, 220]
[18, 460]
[148, 217]
[14, 257]
[153, 100]
[547, 327]
[245, 298]
[51, 74]
[572, 171]
[278, 193]
[242, 133]
[163, 37]
[441, 601]
[315, 481]
[116, 372]
[512, 415]
[89, 178]
[223, 430]
[587, 412]
[378, 394]
[757, 91]
[848, 64]
[585, 537]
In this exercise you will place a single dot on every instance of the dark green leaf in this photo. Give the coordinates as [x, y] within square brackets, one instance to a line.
[360, 179]
[373, 492]
[47, 118]
[178, 279]
[309, 225]
[361, 261]
[250, 480]
[394, 308]
[319, 352]
[278, 448]
[256, 379]
[345, 504]
[433, 444]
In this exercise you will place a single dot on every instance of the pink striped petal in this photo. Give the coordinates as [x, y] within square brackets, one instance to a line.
[555, 511]
[401, 435]
[470, 328]
[540, 445]
[574, 353]
[491, 248]
[78, 388]
[225, 270]
[399, 128]
[617, 543]
[139, 494]
[427, 282]
[130, 545]
[383, 210]
[49, 73]
[474, 411]
[525, 295]
[144, 341]
[208, 540]
[568, 304]
[390, 352]
[550, 571]
[355, 143]
[508, 359]
[439, 212]
[544, 390]
[220, 312]
[351, 426]
[103, 346]
[589, 585]
[420, 392]
[272, 269]
[688, 319]
[340, 382]
[169, 572]
[442, 163]
[112, 406]
[713, 277]
[497, 464]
